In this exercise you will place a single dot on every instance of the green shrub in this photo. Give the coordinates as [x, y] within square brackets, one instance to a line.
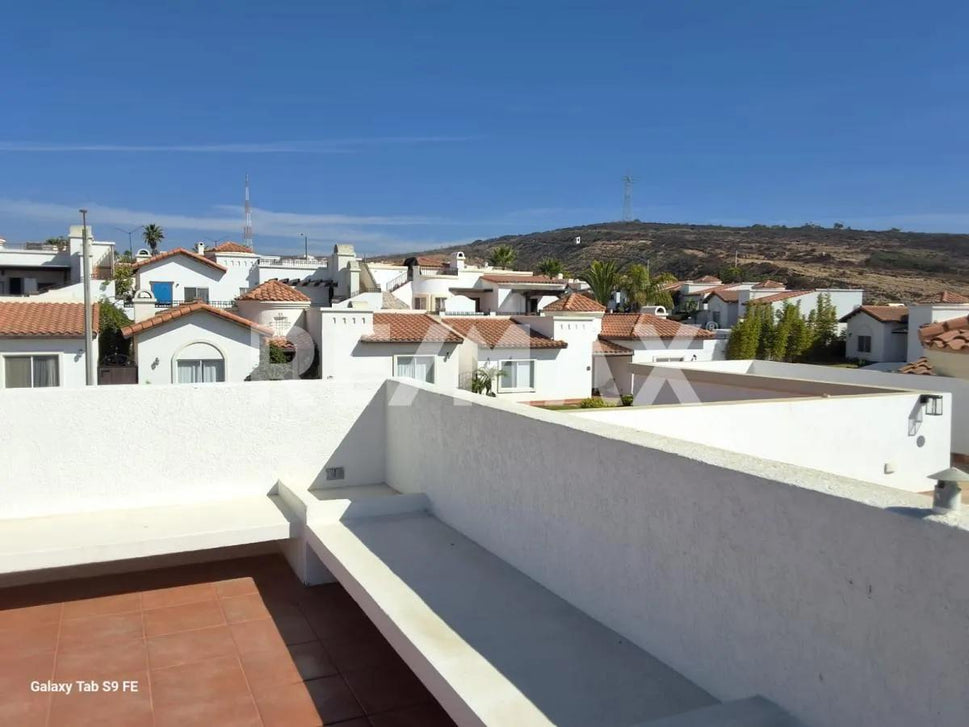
[627, 399]
[593, 402]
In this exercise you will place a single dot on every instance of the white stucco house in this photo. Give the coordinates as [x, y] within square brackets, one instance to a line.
[876, 333]
[942, 306]
[628, 338]
[366, 345]
[220, 274]
[42, 344]
[448, 284]
[530, 357]
[193, 343]
[38, 267]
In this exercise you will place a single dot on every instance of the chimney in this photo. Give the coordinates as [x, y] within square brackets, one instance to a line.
[654, 310]
[200, 248]
[142, 305]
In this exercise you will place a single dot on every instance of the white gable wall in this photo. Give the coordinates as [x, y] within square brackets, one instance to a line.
[157, 349]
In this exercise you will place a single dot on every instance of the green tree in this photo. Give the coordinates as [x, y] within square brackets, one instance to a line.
[110, 322]
[551, 267]
[503, 256]
[153, 235]
[483, 380]
[124, 280]
[745, 336]
[603, 278]
[731, 274]
[641, 287]
[59, 242]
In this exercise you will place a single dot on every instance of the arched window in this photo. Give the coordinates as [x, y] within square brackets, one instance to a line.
[199, 363]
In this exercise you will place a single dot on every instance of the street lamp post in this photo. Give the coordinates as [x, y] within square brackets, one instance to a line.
[129, 233]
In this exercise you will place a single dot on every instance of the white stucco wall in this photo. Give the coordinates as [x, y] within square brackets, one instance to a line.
[157, 349]
[194, 443]
[885, 344]
[959, 388]
[853, 436]
[280, 316]
[826, 595]
[185, 272]
[69, 352]
[343, 357]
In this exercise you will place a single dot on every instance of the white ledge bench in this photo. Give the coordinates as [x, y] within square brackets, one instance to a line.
[56, 541]
[492, 645]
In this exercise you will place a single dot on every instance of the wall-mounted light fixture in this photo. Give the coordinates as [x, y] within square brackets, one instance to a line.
[932, 403]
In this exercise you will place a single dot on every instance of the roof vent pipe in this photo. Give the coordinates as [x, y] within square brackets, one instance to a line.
[948, 495]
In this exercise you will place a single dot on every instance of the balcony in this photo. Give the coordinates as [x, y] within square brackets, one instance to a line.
[626, 578]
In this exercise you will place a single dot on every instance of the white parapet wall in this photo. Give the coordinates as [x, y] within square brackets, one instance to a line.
[959, 388]
[843, 602]
[881, 438]
[117, 447]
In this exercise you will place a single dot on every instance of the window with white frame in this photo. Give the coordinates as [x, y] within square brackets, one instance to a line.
[415, 367]
[440, 301]
[517, 375]
[201, 294]
[864, 344]
[26, 372]
[200, 371]
[420, 302]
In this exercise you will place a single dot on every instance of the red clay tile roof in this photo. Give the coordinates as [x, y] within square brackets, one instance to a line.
[950, 335]
[230, 247]
[188, 309]
[602, 347]
[495, 332]
[535, 279]
[409, 328]
[672, 287]
[708, 279]
[882, 313]
[636, 326]
[32, 320]
[946, 296]
[776, 297]
[727, 296]
[177, 251]
[768, 285]
[575, 302]
[275, 291]
[920, 366]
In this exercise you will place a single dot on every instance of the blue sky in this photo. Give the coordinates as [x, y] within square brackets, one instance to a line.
[404, 125]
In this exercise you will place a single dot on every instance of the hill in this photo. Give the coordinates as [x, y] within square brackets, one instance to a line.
[892, 266]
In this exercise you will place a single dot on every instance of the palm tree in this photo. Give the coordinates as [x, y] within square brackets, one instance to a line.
[503, 256]
[551, 267]
[153, 235]
[603, 278]
[641, 287]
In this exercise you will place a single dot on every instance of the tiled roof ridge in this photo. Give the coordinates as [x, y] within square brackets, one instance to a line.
[187, 309]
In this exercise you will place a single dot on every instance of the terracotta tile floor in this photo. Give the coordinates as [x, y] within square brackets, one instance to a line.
[239, 642]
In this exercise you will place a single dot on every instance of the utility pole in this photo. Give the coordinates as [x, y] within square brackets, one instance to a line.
[88, 313]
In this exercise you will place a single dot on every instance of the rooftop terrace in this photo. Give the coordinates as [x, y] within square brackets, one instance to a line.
[528, 567]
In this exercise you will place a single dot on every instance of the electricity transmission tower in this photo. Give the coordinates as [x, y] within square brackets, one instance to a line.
[627, 198]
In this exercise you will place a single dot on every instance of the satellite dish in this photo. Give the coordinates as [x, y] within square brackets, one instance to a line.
[711, 325]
